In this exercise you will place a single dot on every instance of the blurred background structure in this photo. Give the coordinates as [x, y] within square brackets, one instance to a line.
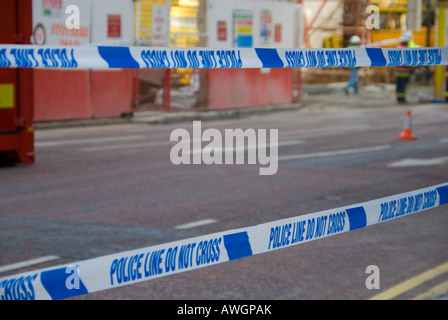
[72, 95]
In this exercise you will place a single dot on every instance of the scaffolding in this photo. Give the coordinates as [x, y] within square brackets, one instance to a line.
[352, 22]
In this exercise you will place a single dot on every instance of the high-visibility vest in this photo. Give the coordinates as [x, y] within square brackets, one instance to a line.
[446, 79]
[412, 44]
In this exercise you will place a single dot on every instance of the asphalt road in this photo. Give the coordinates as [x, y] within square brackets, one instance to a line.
[104, 189]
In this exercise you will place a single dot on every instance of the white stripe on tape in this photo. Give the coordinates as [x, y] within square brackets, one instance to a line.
[109, 57]
[148, 263]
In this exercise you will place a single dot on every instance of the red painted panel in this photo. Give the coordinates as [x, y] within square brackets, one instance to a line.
[232, 88]
[112, 92]
[82, 94]
[61, 95]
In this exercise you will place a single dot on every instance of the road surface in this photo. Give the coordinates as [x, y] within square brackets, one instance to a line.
[99, 190]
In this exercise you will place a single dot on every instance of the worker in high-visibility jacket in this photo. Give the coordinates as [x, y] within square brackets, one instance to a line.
[403, 73]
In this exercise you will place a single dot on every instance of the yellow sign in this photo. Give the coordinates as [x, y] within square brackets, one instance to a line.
[6, 96]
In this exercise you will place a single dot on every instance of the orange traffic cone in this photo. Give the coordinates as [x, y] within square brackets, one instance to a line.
[406, 134]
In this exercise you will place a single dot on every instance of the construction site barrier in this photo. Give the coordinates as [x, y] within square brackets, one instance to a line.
[109, 57]
[131, 267]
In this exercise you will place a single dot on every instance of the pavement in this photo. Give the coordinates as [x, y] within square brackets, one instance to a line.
[313, 96]
[382, 94]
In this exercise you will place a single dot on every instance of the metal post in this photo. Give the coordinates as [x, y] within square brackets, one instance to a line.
[414, 18]
[439, 71]
[167, 90]
[137, 23]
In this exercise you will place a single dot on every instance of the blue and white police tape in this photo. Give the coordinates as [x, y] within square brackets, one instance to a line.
[131, 267]
[107, 57]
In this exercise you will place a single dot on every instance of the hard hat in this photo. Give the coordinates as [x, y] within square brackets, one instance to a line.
[406, 36]
[355, 40]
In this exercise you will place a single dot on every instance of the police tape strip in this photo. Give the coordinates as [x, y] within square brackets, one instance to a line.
[110, 57]
[387, 42]
[131, 267]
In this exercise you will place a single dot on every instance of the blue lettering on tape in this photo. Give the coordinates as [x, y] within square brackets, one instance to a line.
[376, 56]
[159, 59]
[357, 218]
[208, 251]
[237, 245]
[192, 58]
[269, 58]
[347, 58]
[228, 59]
[118, 57]
[55, 58]
[128, 268]
[320, 58]
[311, 59]
[295, 59]
[406, 205]
[414, 57]
[281, 236]
[55, 282]
[336, 222]
[24, 58]
[396, 58]
[4, 61]
[178, 57]
[21, 288]
[208, 60]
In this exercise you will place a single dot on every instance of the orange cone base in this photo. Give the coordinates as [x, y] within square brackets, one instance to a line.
[406, 134]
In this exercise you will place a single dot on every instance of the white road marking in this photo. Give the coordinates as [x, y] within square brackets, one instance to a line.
[81, 141]
[323, 130]
[131, 146]
[411, 162]
[127, 146]
[170, 143]
[248, 147]
[196, 224]
[27, 263]
[333, 153]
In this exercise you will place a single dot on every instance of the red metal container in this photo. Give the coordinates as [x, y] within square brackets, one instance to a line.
[16, 87]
